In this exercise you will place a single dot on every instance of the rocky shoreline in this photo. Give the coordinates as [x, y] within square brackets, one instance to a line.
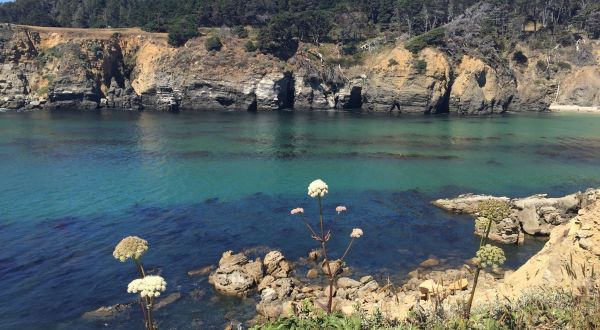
[46, 68]
[281, 287]
[535, 215]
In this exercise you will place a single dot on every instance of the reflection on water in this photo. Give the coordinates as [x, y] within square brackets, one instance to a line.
[198, 184]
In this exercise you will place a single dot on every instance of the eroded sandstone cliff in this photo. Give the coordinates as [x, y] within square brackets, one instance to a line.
[132, 69]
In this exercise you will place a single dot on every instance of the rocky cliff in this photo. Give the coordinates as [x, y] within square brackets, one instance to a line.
[132, 69]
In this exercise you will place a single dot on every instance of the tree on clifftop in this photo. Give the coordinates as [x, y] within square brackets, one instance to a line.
[181, 31]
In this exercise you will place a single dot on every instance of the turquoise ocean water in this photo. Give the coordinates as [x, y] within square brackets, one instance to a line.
[197, 184]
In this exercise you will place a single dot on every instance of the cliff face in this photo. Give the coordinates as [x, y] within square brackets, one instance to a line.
[131, 69]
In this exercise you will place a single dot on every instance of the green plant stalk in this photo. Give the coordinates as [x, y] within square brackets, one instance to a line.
[347, 250]
[325, 258]
[470, 303]
[145, 306]
[487, 233]
[478, 270]
[151, 325]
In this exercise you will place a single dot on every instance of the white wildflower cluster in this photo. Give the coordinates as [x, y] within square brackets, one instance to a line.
[490, 256]
[317, 188]
[149, 286]
[130, 247]
[356, 233]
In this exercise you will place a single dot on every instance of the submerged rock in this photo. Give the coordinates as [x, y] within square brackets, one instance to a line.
[201, 271]
[108, 312]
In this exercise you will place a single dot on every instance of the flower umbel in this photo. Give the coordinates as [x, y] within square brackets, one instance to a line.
[340, 209]
[493, 209]
[317, 188]
[356, 233]
[149, 286]
[490, 256]
[130, 247]
[297, 210]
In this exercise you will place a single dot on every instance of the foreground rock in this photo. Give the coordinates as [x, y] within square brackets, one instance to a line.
[238, 276]
[533, 215]
[569, 261]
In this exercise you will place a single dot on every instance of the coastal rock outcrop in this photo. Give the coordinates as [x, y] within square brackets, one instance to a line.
[478, 88]
[533, 215]
[397, 81]
[568, 261]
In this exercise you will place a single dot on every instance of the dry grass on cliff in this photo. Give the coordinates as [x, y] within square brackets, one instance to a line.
[93, 33]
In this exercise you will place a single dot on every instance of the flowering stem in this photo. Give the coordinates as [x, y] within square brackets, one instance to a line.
[470, 303]
[487, 233]
[147, 306]
[330, 277]
[321, 218]
[312, 231]
[347, 250]
[325, 258]
[142, 306]
[139, 267]
[150, 319]
[483, 240]
[335, 217]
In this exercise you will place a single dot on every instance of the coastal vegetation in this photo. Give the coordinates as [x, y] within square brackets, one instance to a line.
[344, 22]
[544, 309]
[318, 189]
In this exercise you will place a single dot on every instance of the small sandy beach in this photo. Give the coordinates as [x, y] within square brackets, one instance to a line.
[573, 108]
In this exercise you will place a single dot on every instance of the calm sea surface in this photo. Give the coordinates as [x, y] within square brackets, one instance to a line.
[197, 184]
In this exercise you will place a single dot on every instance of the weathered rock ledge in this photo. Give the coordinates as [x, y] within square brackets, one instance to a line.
[534, 215]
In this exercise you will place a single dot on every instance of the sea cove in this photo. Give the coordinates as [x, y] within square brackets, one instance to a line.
[198, 184]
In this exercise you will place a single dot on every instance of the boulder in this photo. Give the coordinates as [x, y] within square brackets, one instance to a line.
[312, 273]
[276, 265]
[429, 288]
[431, 262]
[346, 282]
[461, 284]
[236, 275]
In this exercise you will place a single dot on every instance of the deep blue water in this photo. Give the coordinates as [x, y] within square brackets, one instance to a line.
[197, 184]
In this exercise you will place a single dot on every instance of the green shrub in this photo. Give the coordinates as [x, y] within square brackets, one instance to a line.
[250, 47]
[213, 44]
[435, 37]
[240, 32]
[520, 58]
[181, 31]
[564, 65]
[349, 49]
[541, 65]
[392, 62]
[420, 66]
